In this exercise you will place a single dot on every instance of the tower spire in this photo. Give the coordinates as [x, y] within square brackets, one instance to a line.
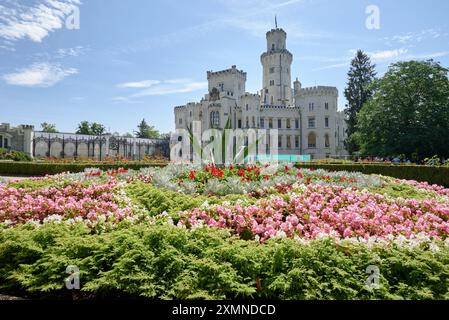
[276, 21]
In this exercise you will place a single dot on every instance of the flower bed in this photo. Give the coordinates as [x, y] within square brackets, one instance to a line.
[224, 232]
[329, 211]
[75, 202]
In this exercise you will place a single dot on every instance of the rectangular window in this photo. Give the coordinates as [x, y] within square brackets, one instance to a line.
[271, 70]
[289, 126]
[279, 123]
[326, 122]
[270, 123]
[289, 142]
[297, 123]
[221, 86]
[311, 107]
[262, 123]
[280, 142]
[312, 122]
[180, 120]
[240, 124]
[326, 105]
[271, 82]
[297, 142]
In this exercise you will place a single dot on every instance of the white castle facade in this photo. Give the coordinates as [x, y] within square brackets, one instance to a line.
[307, 119]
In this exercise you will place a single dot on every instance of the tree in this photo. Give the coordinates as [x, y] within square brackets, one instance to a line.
[97, 129]
[49, 127]
[85, 127]
[408, 114]
[360, 77]
[146, 131]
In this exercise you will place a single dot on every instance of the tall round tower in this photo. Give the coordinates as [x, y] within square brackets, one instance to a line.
[276, 62]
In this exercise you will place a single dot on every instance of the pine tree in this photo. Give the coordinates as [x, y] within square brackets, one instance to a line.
[360, 77]
[146, 131]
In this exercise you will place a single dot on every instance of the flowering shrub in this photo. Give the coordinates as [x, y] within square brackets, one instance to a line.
[212, 180]
[427, 187]
[328, 210]
[77, 202]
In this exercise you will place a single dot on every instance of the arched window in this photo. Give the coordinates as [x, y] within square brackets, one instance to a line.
[311, 140]
[215, 119]
[327, 143]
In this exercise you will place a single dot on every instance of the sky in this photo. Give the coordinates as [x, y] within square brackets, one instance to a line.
[116, 62]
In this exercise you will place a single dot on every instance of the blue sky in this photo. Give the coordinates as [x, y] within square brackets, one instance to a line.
[137, 59]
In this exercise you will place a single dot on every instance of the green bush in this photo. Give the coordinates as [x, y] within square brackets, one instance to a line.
[14, 155]
[43, 168]
[165, 262]
[157, 200]
[430, 174]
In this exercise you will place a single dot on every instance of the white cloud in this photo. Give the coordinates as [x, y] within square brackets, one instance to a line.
[387, 55]
[70, 52]
[39, 75]
[34, 22]
[381, 56]
[159, 88]
[139, 84]
[410, 37]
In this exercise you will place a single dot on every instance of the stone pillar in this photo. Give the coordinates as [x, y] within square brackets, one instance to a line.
[28, 138]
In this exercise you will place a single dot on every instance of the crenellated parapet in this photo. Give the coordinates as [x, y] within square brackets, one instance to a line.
[232, 71]
[318, 91]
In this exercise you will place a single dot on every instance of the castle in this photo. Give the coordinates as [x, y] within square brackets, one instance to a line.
[307, 119]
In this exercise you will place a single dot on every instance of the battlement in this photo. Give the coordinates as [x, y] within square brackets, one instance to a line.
[253, 95]
[276, 30]
[233, 70]
[318, 90]
[267, 106]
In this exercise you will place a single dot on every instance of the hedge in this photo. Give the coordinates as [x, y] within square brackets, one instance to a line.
[430, 174]
[42, 169]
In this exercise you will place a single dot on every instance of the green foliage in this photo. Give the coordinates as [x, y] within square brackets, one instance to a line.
[44, 168]
[13, 155]
[94, 128]
[404, 191]
[430, 174]
[146, 131]
[165, 262]
[408, 114]
[157, 200]
[49, 127]
[434, 161]
[360, 76]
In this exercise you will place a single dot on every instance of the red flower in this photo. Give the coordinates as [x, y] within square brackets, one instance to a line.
[309, 180]
[300, 175]
[192, 175]
[241, 172]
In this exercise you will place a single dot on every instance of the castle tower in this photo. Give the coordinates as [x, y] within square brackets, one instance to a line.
[276, 62]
